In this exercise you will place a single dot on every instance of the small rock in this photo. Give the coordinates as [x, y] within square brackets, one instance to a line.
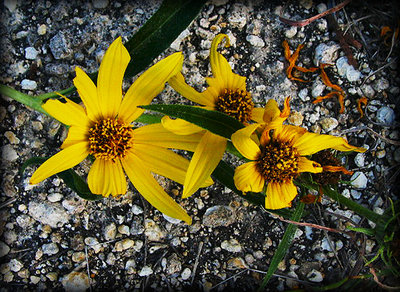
[124, 244]
[93, 243]
[218, 215]
[8, 153]
[76, 281]
[174, 266]
[315, 276]
[307, 4]
[34, 279]
[355, 194]
[358, 180]
[303, 94]
[31, 53]
[255, 41]
[48, 213]
[11, 137]
[27, 84]
[238, 17]
[152, 230]
[78, 256]
[145, 271]
[171, 220]
[380, 154]
[367, 91]
[52, 276]
[137, 210]
[110, 231]
[186, 273]
[347, 70]
[295, 118]
[236, 263]
[100, 4]
[124, 229]
[326, 53]
[59, 46]
[317, 88]
[177, 42]
[321, 7]
[328, 124]
[50, 248]
[4, 249]
[291, 32]
[42, 29]
[381, 84]
[231, 245]
[359, 159]
[15, 265]
[54, 197]
[130, 266]
[385, 115]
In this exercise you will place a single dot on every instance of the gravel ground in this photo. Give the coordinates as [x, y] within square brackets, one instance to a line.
[52, 239]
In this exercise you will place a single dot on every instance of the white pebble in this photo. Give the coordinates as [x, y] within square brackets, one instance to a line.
[186, 273]
[31, 53]
[255, 41]
[359, 159]
[385, 115]
[145, 271]
[27, 84]
[358, 180]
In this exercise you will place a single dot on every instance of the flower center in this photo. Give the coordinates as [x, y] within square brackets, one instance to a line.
[110, 139]
[278, 162]
[238, 104]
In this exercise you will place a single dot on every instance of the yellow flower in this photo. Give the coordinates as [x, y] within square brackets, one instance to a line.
[102, 128]
[278, 156]
[226, 93]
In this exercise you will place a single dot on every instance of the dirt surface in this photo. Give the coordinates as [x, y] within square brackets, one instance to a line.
[52, 239]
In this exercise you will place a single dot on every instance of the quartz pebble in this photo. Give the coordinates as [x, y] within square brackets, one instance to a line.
[218, 215]
[50, 248]
[8, 153]
[145, 271]
[328, 124]
[358, 180]
[27, 84]
[347, 70]
[75, 281]
[48, 213]
[15, 265]
[231, 245]
[186, 273]
[385, 115]
[255, 41]
[326, 53]
[31, 53]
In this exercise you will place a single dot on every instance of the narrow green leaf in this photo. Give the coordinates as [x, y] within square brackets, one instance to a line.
[366, 231]
[160, 31]
[23, 98]
[70, 178]
[214, 121]
[283, 247]
[149, 119]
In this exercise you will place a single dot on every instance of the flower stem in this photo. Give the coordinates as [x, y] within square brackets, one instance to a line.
[23, 98]
[370, 215]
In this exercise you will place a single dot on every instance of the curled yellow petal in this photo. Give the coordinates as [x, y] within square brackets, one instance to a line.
[243, 142]
[280, 195]
[247, 178]
[306, 165]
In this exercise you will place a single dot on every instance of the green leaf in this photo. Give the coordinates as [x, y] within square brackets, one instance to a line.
[149, 119]
[160, 31]
[283, 247]
[70, 178]
[214, 121]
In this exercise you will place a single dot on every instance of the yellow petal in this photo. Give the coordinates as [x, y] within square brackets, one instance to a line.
[75, 135]
[165, 162]
[179, 84]
[107, 178]
[148, 187]
[219, 65]
[88, 93]
[247, 178]
[109, 80]
[68, 113]
[241, 139]
[257, 115]
[156, 134]
[310, 143]
[179, 126]
[289, 133]
[148, 86]
[65, 159]
[280, 195]
[273, 117]
[206, 157]
[306, 165]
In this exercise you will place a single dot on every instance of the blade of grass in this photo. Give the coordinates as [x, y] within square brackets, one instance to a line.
[283, 246]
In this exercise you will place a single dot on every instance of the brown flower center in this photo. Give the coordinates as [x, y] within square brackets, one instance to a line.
[238, 104]
[110, 139]
[278, 162]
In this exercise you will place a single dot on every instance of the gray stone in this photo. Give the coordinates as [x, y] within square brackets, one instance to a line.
[4, 249]
[50, 248]
[59, 46]
[358, 180]
[291, 32]
[15, 265]
[110, 231]
[48, 213]
[76, 281]
[347, 70]
[385, 115]
[231, 245]
[328, 124]
[54, 197]
[145, 271]
[326, 53]
[315, 276]
[317, 88]
[8, 153]
[171, 220]
[100, 4]
[31, 53]
[218, 216]
[186, 273]
[359, 159]
[255, 41]
[27, 84]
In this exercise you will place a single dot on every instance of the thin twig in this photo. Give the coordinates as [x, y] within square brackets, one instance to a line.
[196, 262]
[391, 46]
[311, 19]
[383, 286]
[8, 202]
[88, 268]
[377, 70]
[227, 279]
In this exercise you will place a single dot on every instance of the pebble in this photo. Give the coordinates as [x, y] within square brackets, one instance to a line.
[50, 248]
[145, 271]
[48, 213]
[93, 243]
[42, 29]
[27, 84]
[231, 245]
[59, 46]
[174, 266]
[34, 279]
[291, 32]
[359, 159]
[385, 115]
[236, 263]
[124, 244]
[367, 91]
[78, 256]
[328, 124]
[153, 231]
[303, 94]
[52, 276]
[15, 265]
[54, 197]
[137, 210]
[186, 273]
[255, 41]
[315, 276]
[317, 88]
[326, 53]
[218, 215]
[110, 231]
[358, 180]
[124, 229]
[11, 137]
[347, 70]
[75, 281]
[381, 84]
[31, 53]
[130, 266]
[176, 44]
[355, 194]
[171, 220]
[4, 249]
[8, 153]
[380, 154]
[238, 17]
[295, 118]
